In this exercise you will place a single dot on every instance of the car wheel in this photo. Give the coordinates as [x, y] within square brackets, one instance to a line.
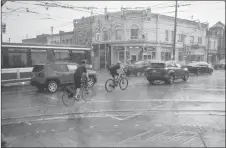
[52, 86]
[170, 79]
[186, 77]
[197, 72]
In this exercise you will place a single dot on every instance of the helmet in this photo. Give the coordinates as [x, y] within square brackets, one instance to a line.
[84, 61]
[119, 62]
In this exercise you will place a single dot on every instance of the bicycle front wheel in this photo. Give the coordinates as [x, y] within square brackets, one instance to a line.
[123, 84]
[66, 98]
[109, 85]
[86, 94]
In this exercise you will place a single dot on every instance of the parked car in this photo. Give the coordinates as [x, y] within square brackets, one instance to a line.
[138, 68]
[166, 71]
[52, 75]
[200, 67]
[220, 65]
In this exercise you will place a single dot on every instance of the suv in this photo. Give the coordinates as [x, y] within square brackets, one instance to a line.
[166, 71]
[52, 75]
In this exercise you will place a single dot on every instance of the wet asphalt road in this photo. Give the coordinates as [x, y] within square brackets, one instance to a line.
[134, 117]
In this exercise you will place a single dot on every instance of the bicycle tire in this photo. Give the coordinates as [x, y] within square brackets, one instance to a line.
[65, 98]
[106, 85]
[126, 80]
[83, 94]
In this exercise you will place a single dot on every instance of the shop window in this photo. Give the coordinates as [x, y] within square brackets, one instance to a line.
[121, 56]
[180, 56]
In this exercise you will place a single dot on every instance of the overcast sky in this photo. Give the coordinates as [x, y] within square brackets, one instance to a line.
[22, 24]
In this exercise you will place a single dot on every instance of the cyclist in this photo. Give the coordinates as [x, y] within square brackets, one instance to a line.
[114, 69]
[80, 71]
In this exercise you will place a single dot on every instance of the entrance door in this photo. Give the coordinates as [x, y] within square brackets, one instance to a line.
[133, 57]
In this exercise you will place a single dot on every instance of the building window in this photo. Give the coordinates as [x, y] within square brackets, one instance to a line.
[63, 41]
[134, 32]
[172, 36]
[180, 37]
[67, 41]
[167, 35]
[165, 56]
[118, 33]
[200, 40]
[210, 44]
[192, 39]
[105, 34]
[97, 36]
[214, 44]
[70, 41]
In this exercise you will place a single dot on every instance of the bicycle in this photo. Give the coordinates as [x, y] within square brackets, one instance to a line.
[69, 92]
[114, 83]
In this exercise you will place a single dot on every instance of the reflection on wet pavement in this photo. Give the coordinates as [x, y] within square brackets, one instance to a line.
[138, 116]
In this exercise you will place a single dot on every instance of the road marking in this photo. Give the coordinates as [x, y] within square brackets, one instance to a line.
[160, 100]
[154, 137]
[141, 134]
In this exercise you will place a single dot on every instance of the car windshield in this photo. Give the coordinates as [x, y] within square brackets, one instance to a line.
[157, 65]
[38, 68]
[139, 62]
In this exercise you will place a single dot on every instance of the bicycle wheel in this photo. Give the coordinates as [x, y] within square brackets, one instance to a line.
[86, 93]
[109, 83]
[123, 84]
[67, 99]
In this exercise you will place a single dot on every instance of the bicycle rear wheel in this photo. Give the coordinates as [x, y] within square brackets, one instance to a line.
[67, 99]
[109, 85]
[123, 84]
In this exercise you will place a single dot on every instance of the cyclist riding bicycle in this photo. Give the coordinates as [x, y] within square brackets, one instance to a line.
[116, 70]
[79, 73]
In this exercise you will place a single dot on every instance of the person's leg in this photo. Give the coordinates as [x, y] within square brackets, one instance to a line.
[78, 86]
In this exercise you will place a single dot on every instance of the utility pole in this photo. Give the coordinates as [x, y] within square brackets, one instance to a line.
[91, 34]
[51, 34]
[175, 32]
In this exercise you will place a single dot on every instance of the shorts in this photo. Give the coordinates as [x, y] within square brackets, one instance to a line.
[77, 81]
